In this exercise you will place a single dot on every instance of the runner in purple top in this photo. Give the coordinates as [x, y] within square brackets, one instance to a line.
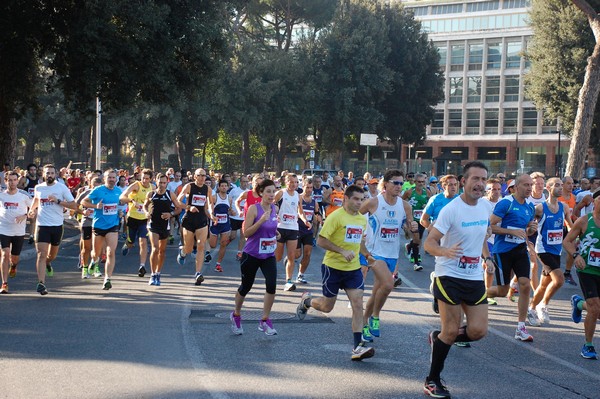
[260, 230]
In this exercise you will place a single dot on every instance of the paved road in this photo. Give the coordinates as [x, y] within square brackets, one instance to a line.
[174, 341]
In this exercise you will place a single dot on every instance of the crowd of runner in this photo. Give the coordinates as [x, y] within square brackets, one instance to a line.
[490, 237]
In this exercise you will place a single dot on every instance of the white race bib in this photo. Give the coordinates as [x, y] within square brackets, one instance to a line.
[513, 239]
[267, 245]
[288, 219]
[318, 197]
[309, 215]
[554, 237]
[44, 202]
[221, 217]
[469, 264]
[198, 200]
[353, 234]
[417, 214]
[109, 209]
[338, 202]
[594, 257]
[389, 234]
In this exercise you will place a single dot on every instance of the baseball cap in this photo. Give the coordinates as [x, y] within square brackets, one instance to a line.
[433, 179]
[374, 181]
[511, 183]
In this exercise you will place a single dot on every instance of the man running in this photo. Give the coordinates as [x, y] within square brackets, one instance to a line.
[195, 221]
[568, 198]
[587, 263]
[417, 197]
[312, 214]
[28, 183]
[387, 214]
[334, 197]
[50, 199]
[137, 220]
[85, 228]
[512, 222]
[552, 216]
[222, 209]
[13, 214]
[342, 237]
[237, 218]
[457, 241]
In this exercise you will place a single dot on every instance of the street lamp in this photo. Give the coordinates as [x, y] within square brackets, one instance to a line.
[558, 155]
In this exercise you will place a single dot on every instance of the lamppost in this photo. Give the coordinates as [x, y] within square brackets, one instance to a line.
[558, 155]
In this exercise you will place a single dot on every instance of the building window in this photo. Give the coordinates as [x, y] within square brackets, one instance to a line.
[457, 57]
[474, 89]
[513, 54]
[530, 120]
[511, 88]
[516, 4]
[494, 56]
[454, 121]
[447, 9]
[475, 57]
[527, 60]
[483, 6]
[491, 153]
[419, 11]
[511, 116]
[549, 126]
[491, 121]
[456, 90]
[443, 52]
[492, 93]
[437, 126]
[473, 121]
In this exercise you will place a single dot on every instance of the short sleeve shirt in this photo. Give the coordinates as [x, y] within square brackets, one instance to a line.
[346, 231]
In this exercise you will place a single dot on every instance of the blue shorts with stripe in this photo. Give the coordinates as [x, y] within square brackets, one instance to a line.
[333, 280]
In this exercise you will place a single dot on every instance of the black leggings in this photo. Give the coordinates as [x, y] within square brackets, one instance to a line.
[250, 265]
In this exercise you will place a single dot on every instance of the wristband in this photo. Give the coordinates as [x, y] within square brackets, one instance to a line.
[58, 202]
[488, 258]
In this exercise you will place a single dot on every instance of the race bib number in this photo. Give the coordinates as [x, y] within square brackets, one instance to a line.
[469, 264]
[318, 197]
[11, 205]
[31, 191]
[338, 202]
[417, 214]
[287, 218]
[109, 209]
[309, 215]
[594, 257]
[513, 239]
[221, 218]
[198, 200]
[554, 237]
[44, 202]
[139, 208]
[267, 245]
[389, 234]
[353, 234]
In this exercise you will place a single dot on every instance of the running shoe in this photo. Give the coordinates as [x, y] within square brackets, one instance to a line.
[362, 352]
[432, 279]
[49, 269]
[141, 271]
[218, 268]
[90, 268]
[152, 280]
[289, 286]
[84, 273]
[97, 272]
[12, 272]
[4, 289]
[314, 242]
[575, 311]
[542, 313]
[125, 249]
[397, 280]
[171, 240]
[532, 318]
[417, 267]
[463, 344]
[513, 292]
[302, 308]
[569, 279]
[207, 257]
[41, 288]
[374, 326]
[107, 284]
[157, 281]
[492, 301]
[198, 278]
[366, 334]
[30, 241]
[238, 256]
[436, 389]
[522, 335]
[406, 251]
[266, 326]
[587, 352]
[236, 324]
[300, 279]
[180, 258]
[195, 250]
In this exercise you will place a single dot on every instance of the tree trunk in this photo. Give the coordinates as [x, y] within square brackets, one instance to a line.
[138, 153]
[245, 151]
[85, 146]
[56, 142]
[29, 151]
[588, 96]
[280, 156]
[8, 136]
[156, 152]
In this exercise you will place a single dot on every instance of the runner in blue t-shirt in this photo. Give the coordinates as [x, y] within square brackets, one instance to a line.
[105, 225]
[512, 222]
[438, 201]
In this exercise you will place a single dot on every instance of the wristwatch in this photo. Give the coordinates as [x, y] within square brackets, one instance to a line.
[576, 254]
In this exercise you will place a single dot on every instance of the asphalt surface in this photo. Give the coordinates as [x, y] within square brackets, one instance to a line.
[174, 341]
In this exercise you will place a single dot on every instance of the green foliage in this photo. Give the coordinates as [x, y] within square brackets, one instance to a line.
[222, 152]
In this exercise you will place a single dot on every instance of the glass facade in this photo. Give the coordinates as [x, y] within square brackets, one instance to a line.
[465, 24]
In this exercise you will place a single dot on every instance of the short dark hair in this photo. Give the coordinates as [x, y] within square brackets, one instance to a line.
[473, 164]
[393, 173]
[260, 187]
[351, 189]
[30, 165]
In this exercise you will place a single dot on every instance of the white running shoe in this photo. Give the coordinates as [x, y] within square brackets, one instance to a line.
[522, 335]
[236, 324]
[266, 326]
[542, 313]
[532, 318]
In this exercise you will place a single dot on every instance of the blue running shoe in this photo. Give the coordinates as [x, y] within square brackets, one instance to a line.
[157, 281]
[180, 259]
[152, 280]
[125, 249]
[575, 312]
[588, 352]
[374, 326]
[366, 334]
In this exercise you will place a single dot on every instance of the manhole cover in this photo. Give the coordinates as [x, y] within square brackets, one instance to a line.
[257, 315]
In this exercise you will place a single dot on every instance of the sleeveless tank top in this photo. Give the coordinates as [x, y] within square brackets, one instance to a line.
[197, 198]
[251, 199]
[418, 202]
[30, 186]
[550, 237]
[336, 200]
[288, 211]
[136, 208]
[221, 210]
[385, 225]
[160, 203]
[263, 242]
[309, 212]
[590, 247]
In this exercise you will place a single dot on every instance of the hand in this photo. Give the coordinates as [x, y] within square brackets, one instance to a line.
[518, 233]
[308, 225]
[490, 267]
[488, 233]
[52, 198]
[414, 227]
[31, 214]
[265, 217]
[579, 263]
[21, 219]
[348, 255]
[453, 252]
[532, 226]
[165, 215]
[99, 205]
[193, 209]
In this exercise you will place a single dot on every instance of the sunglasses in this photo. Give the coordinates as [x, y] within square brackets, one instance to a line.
[419, 181]
[201, 175]
[396, 182]
[435, 181]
